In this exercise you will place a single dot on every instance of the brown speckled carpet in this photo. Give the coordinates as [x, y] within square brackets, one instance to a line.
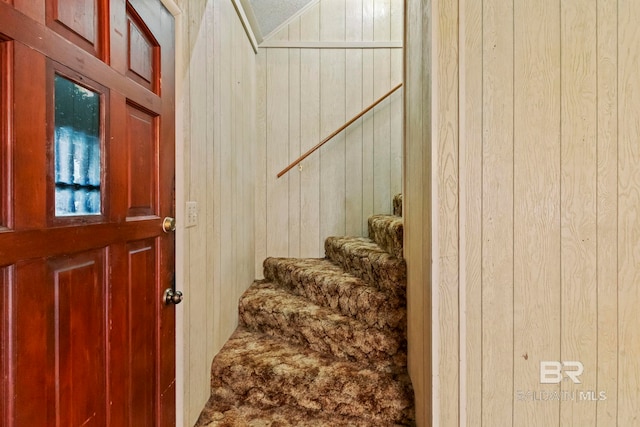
[321, 342]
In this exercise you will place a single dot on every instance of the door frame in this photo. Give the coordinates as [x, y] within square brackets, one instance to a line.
[176, 11]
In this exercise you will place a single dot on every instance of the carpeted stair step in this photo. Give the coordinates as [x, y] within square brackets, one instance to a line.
[324, 283]
[363, 258]
[387, 231]
[397, 204]
[225, 409]
[268, 373]
[269, 308]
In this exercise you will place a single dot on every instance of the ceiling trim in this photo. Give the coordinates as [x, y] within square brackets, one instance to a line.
[331, 45]
[249, 23]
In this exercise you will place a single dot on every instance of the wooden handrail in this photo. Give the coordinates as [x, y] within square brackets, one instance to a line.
[340, 129]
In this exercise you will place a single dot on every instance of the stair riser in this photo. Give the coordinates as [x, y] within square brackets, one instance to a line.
[282, 377]
[378, 269]
[387, 232]
[397, 205]
[348, 295]
[280, 314]
[225, 409]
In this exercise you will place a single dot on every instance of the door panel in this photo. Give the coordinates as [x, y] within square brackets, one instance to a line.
[79, 16]
[142, 52]
[142, 146]
[32, 9]
[79, 334]
[142, 266]
[79, 21]
[6, 56]
[57, 313]
[30, 358]
[85, 338]
[6, 334]
[29, 136]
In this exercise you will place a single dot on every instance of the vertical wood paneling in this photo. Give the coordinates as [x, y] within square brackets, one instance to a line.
[219, 88]
[332, 20]
[294, 142]
[497, 215]
[237, 164]
[250, 180]
[332, 115]
[417, 199]
[607, 215]
[558, 207]
[261, 162]
[353, 149]
[368, 138]
[381, 116]
[578, 203]
[471, 172]
[353, 135]
[395, 102]
[281, 35]
[212, 210]
[337, 186]
[628, 213]
[353, 24]
[277, 149]
[395, 127]
[196, 326]
[310, 24]
[250, 76]
[310, 133]
[368, 135]
[221, 172]
[332, 156]
[445, 274]
[294, 29]
[537, 291]
[227, 175]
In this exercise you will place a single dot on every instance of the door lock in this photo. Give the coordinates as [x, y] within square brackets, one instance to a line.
[172, 297]
[169, 224]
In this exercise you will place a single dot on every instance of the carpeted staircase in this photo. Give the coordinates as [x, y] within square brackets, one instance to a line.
[321, 342]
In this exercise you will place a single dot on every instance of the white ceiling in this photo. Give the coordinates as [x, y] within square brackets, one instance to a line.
[270, 14]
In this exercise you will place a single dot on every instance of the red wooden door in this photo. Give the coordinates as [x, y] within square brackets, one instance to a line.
[86, 179]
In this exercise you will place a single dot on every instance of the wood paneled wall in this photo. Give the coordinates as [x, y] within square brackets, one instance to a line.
[523, 117]
[417, 183]
[217, 159]
[304, 94]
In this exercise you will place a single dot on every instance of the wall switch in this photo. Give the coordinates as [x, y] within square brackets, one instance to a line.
[191, 214]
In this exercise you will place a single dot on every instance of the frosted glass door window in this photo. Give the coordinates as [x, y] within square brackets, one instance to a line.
[77, 149]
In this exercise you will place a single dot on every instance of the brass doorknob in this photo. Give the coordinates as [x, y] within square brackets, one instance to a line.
[169, 224]
[172, 297]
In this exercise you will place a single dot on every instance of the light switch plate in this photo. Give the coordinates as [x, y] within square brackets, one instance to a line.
[191, 214]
